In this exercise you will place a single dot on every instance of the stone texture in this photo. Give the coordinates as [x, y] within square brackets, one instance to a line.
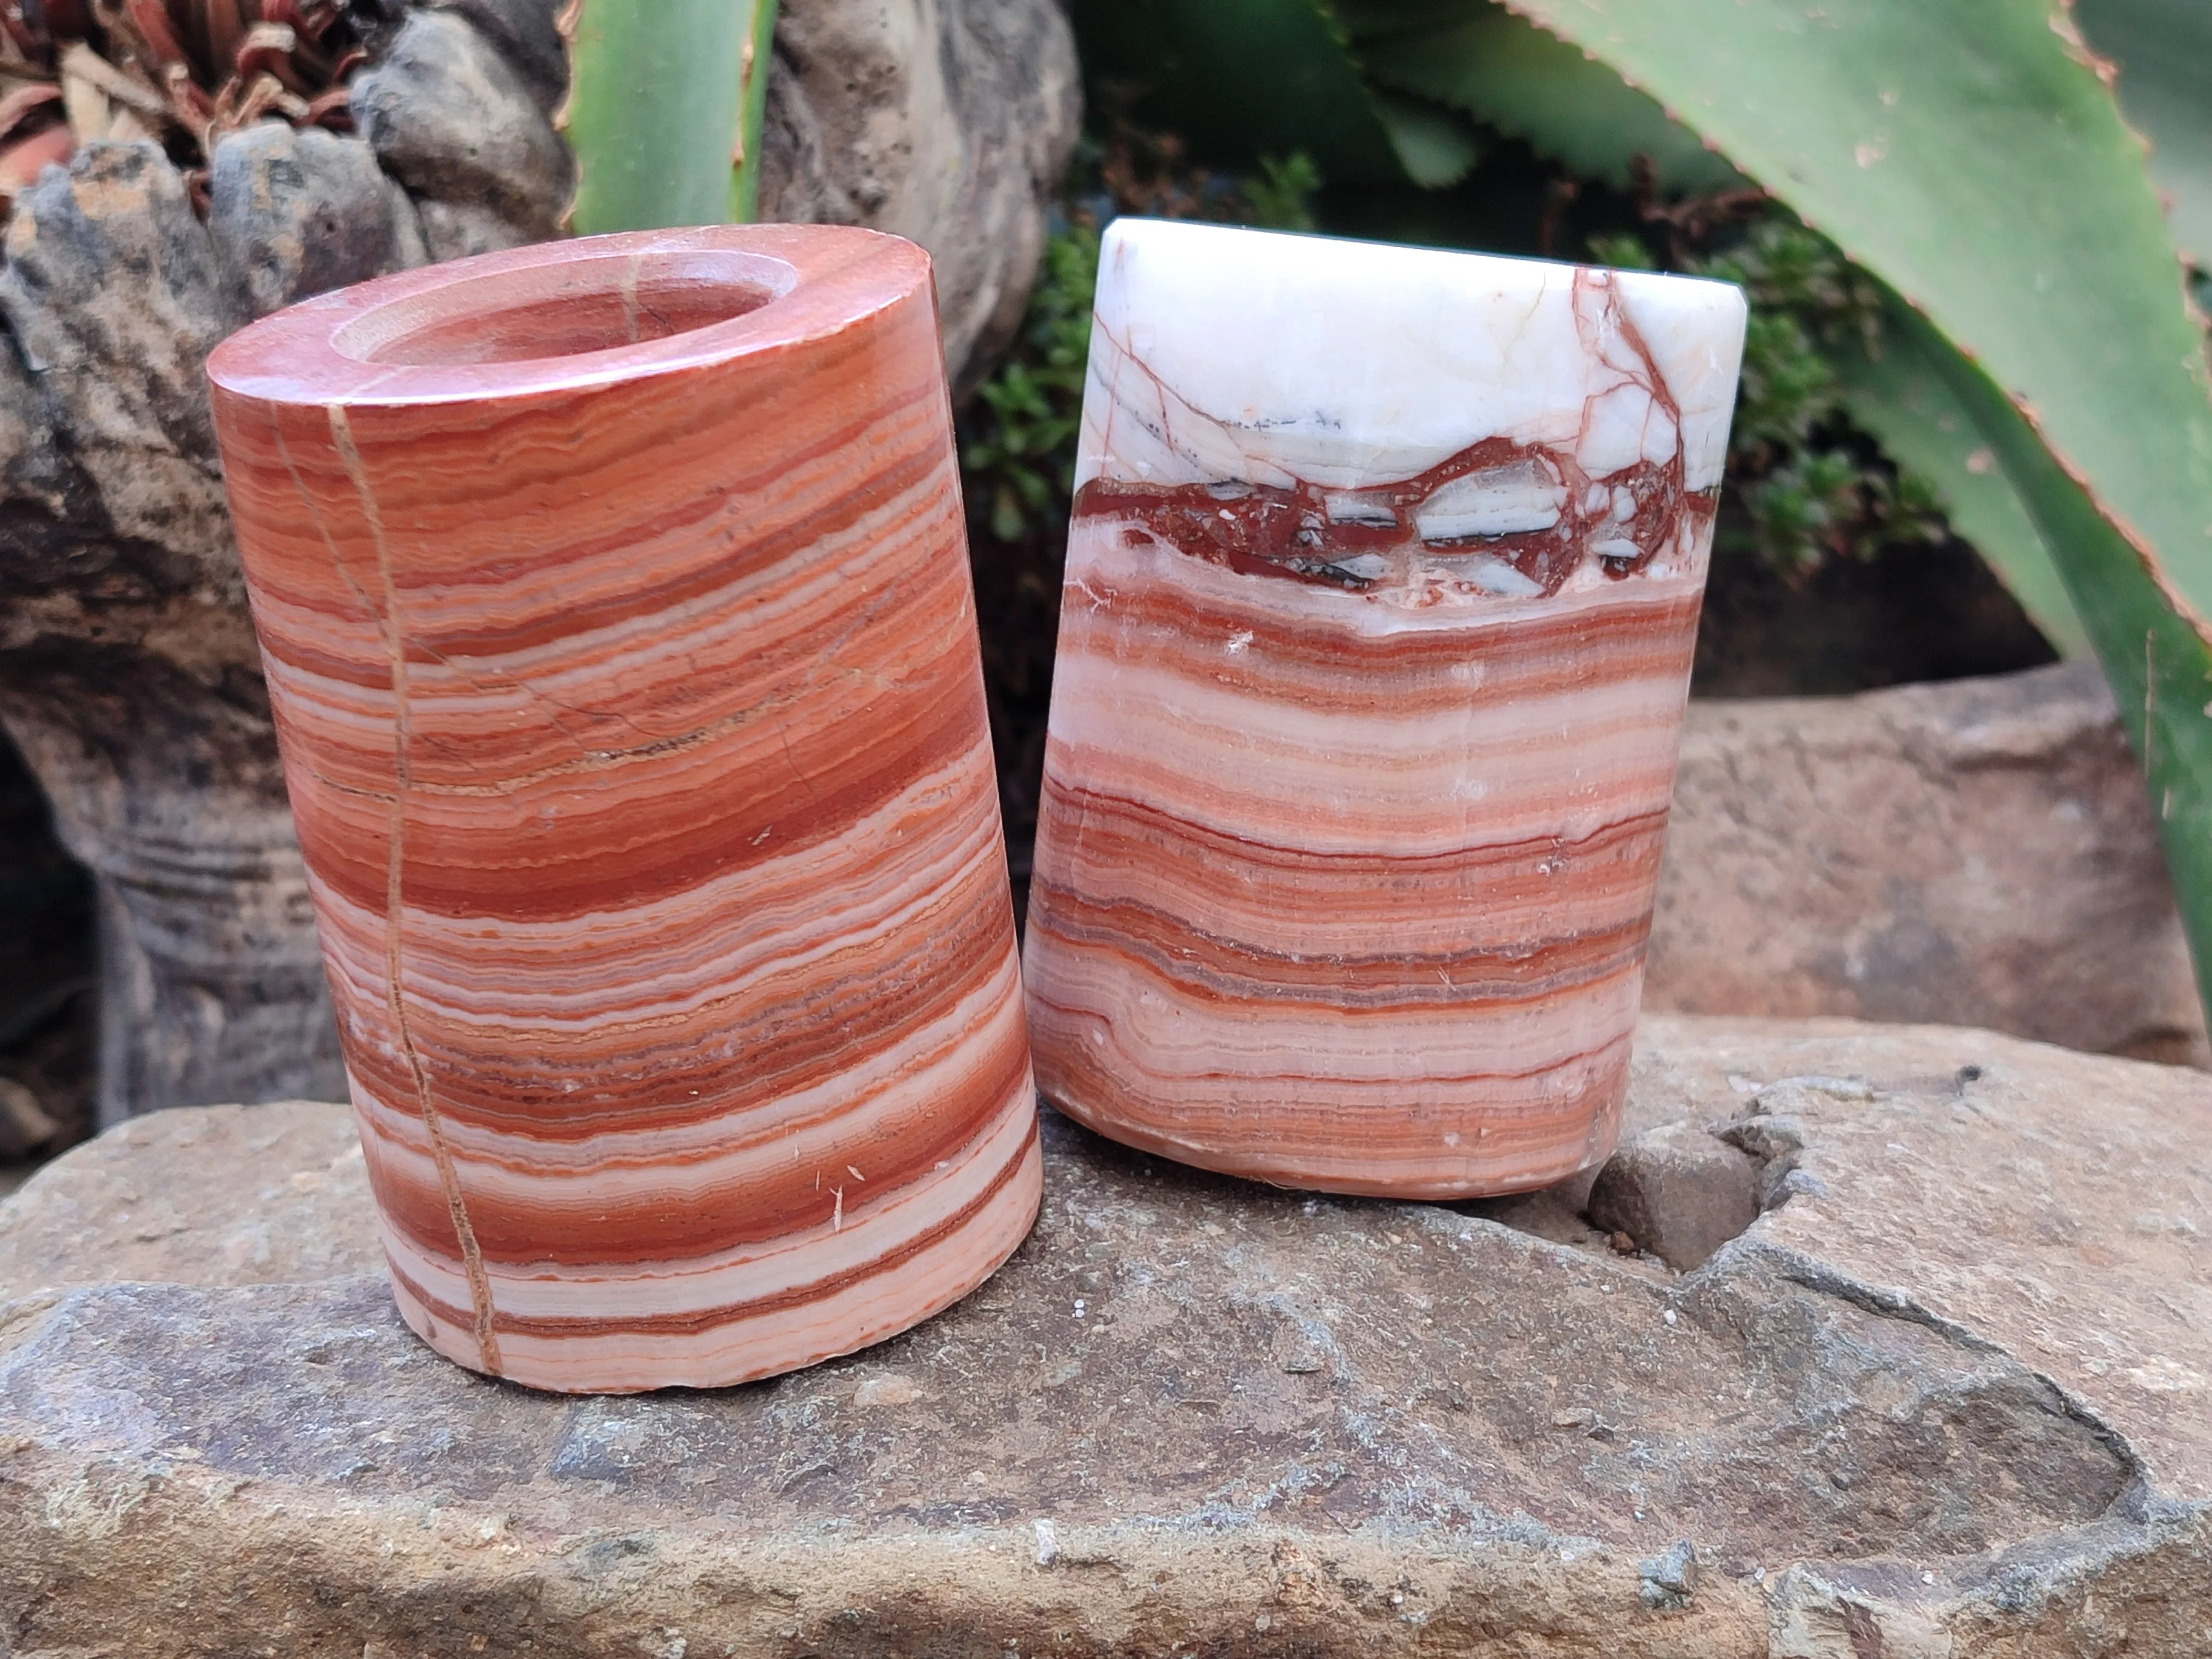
[461, 230]
[1979, 852]
[211, 1195]
[946, 121]
[1679, 1192]
[1948, 1399]
[114, 293]
[452, 120]
[527, 34]
[295, 212]
[129, 677]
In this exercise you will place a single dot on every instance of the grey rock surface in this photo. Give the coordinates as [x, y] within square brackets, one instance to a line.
[129, 674]
[527, 34]
[949, 122]
[1979, 852]
[165, 782]
[1679, 1191]
[114, 293]
[1947, 1398]
[44, 498]
[459, 125]
[276, 1193]
[298, 211]
[461, 230]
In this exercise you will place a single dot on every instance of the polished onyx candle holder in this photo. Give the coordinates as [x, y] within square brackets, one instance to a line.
[615, 603]
[1382, 586]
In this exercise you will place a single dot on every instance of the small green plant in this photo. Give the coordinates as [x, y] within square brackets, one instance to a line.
[1281, 197]
[1024, 454]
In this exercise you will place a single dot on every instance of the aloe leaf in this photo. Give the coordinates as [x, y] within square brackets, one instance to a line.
[2164, 52]
[2155, 656]
[663, 110]
[1435, 147]
[1901, 396]
[1159, 61]
[1969, 157]
[752, 110]
[1481, 59]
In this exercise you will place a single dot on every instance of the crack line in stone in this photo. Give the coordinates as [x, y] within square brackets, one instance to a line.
[1795, 1267]
[395, 646]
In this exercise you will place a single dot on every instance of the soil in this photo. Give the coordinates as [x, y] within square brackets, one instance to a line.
[1914, 612]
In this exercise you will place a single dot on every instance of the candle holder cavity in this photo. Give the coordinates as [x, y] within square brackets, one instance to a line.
[614, 600]
[1382, 586]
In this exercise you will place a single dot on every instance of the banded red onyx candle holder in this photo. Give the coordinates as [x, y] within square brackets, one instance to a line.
[614, 599]
[1382, 586]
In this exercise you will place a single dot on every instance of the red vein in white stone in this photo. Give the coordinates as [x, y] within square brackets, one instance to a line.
[1382, 584]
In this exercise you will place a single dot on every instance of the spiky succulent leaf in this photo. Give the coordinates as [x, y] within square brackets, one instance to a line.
[663, 110]
[1899, 394]
[2163, 49]
[1436, 146]
[1483, 59]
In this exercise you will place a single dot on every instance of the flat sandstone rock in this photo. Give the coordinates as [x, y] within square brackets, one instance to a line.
[1979, 852]
[1950, 1395]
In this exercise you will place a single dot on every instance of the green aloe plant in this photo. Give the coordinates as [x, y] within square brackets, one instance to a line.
[2162, 49]
[2036, 356]
[663, 110]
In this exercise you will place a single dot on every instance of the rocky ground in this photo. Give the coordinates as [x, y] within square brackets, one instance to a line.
[1979, 852]
[1930, 1375]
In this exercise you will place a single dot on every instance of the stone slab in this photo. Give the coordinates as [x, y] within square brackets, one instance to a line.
[217, 1195]
[1979, 852]
[1951, 1395]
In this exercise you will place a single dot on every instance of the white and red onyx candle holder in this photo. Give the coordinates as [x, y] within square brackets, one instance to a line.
[1383, 583]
